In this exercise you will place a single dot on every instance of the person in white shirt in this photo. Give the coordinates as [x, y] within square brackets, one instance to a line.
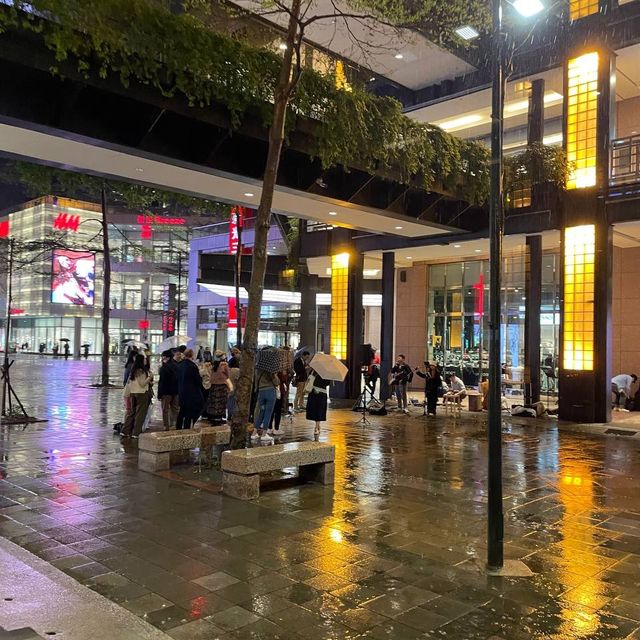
[457, 390]
[621, 386]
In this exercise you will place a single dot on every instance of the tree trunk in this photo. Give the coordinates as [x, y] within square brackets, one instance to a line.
[259, 263]
[106, 291]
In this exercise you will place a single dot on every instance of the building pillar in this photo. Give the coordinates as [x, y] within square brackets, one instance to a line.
[355, 327]
[308, 310]
[535, 135]
[532, 309]
[77, 334]
[387, 324]
[586, 249]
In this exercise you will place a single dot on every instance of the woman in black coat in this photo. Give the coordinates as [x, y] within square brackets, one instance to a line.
[317, 403]
[432, 384]
[190, 391]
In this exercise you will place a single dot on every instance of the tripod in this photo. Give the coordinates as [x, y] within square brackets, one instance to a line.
[361, 403]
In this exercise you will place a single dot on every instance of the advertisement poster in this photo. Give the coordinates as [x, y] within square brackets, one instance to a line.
[73, 277]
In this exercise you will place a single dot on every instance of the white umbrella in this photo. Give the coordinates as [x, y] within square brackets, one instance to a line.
[136, 343]
[328, 367]
[172, 342]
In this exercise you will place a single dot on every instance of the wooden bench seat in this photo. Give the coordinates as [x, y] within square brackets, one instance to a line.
[241, 468]
[158, 450]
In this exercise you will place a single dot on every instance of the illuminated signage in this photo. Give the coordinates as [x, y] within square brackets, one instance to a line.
[4, 229]
[161, 220]
[236, 221]
[66, 222]
[169, 312]
[143, 324]
[16, 312]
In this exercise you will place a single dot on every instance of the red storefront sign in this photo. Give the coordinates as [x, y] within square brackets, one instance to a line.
[4, 229]
[66, 222]
[236, 220]
[143, 324]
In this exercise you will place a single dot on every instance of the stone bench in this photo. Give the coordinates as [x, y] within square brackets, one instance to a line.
[241, 468]
[158, 450]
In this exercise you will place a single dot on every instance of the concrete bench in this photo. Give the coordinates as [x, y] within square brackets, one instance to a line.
[241, 468]
[158, 450]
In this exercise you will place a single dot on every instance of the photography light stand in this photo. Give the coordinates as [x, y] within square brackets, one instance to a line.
[362, 401]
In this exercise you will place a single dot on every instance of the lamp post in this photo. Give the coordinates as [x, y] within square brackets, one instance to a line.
[495, 519]
[495, 555]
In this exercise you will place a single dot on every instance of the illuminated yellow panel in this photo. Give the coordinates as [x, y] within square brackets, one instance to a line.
[582, 108]
[339, 305]
[579, 295]
[582, 8]
[341, 77]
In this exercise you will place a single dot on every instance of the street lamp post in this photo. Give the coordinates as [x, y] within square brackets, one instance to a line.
[495, 555]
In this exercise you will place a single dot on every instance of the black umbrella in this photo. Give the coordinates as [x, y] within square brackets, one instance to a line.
[64, 340]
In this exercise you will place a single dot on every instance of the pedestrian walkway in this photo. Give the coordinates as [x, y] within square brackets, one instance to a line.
[39, 601]
[394, 550]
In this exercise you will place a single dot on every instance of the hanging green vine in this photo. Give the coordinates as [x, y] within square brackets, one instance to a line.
[142, 41]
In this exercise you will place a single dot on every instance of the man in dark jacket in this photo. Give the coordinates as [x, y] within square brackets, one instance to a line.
[168, 390]
[301, 369]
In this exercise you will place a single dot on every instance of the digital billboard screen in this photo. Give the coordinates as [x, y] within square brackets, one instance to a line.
[73, 277]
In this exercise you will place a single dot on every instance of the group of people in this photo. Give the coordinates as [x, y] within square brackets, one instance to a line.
[401, 375]
[191, 386]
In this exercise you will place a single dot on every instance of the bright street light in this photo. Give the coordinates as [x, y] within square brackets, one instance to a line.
[528, 8]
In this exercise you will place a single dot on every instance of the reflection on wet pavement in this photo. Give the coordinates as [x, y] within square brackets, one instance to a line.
[391, 552]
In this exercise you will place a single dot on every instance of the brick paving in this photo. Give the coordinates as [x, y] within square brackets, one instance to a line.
[392, 551]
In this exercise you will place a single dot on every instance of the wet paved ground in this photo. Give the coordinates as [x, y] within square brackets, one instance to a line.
[392, 551]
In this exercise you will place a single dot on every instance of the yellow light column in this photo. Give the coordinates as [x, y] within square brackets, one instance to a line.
[583, 8]
[582, 115]
[339, 305]
[579, 297]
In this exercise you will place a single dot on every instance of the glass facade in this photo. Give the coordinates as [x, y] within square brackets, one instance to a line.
[457, 316]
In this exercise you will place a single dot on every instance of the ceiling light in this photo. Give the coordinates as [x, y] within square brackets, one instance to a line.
[460, 123]
[409, 257]
[139, 169]
[467, 32]
[457, 246]
[478, 250]
[248, 195]
[333, 213]
[372, 79]
[398, 227]
[370, 272]
[282, 46]
[528, 8]
[399, 56]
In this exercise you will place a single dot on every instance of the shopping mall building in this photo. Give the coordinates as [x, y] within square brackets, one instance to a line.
[571, 296]
[149, 261]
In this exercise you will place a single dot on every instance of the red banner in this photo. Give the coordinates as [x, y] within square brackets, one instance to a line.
[236, 220]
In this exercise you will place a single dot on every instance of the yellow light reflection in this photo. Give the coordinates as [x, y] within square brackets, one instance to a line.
[336, 535]
[582, 111]
[577, 494]
[579, 294]
[339, 305]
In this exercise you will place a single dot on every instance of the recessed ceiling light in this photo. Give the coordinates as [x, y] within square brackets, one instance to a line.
[372, 79]
[398, 227]
[467, 32]
[333, 213]
[139, 169]
[399, 56]
[457, 246]
[461, 123]
[478, 250]
[248, 195]
[528, 8]
[282, 46]
[409, 257]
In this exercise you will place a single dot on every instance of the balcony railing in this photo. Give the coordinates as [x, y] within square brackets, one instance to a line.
[625, 161]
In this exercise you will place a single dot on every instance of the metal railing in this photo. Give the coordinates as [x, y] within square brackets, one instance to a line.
[625, 161]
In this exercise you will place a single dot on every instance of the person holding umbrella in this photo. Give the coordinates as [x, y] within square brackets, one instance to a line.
[266, 385]
[324, 368]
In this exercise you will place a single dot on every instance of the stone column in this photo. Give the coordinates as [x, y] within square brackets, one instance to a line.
[387, 324]
[308, 322]
[355, 326]
[585, 389]
[533, 293]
